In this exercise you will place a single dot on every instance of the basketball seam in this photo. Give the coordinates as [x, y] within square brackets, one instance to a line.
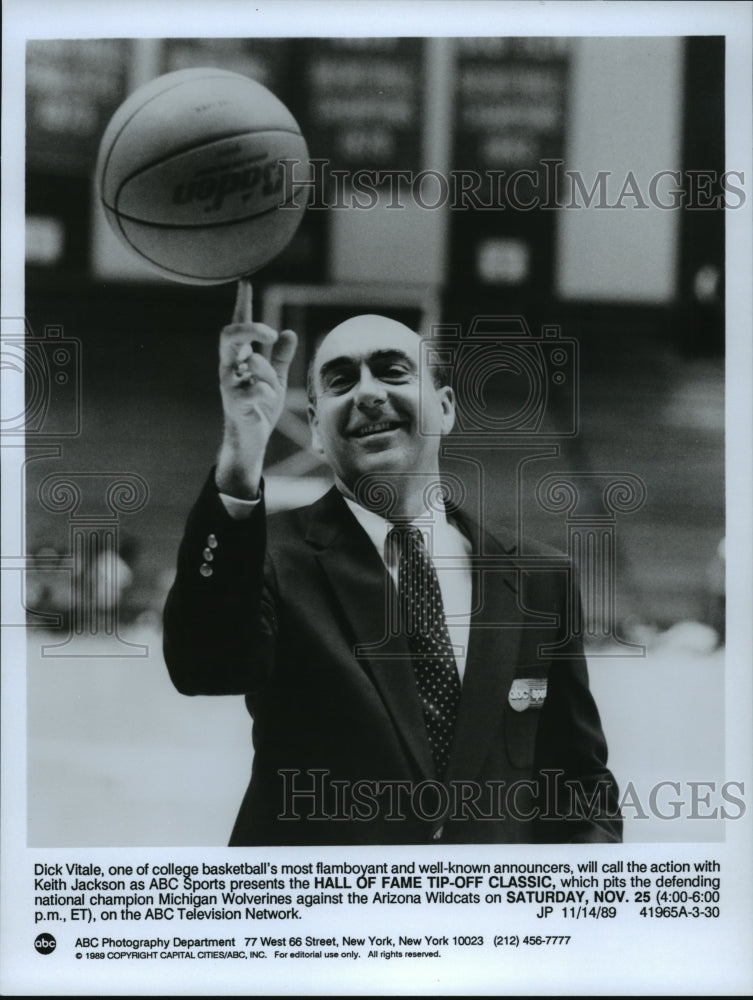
[188, 149]
[202, 224]
[186, 274]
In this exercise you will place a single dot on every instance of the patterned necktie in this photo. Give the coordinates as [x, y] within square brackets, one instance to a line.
[423, 623]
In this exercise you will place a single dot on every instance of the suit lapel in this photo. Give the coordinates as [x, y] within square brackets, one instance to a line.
[492, 657]
[363, 588]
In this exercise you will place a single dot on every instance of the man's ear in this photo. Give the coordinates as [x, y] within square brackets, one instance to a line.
[316, 442]
[447, 401]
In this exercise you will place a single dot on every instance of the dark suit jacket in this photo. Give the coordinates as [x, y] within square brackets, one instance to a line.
[293, 616]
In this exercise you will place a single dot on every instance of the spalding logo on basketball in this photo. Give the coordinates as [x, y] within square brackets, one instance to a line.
[190, 178]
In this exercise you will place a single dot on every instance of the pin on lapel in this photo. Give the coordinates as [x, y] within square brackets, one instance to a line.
[527, 692]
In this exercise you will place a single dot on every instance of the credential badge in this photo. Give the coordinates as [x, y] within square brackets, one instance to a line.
[527, 692]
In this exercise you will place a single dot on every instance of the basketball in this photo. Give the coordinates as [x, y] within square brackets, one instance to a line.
[189, 176]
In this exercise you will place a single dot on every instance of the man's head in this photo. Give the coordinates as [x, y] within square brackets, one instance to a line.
[375, 407]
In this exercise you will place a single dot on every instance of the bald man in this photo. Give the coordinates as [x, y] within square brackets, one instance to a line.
[366, 731]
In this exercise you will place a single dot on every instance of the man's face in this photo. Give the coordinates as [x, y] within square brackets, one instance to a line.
[377, 408]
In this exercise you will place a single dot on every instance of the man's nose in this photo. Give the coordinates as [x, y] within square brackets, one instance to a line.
[370, 391]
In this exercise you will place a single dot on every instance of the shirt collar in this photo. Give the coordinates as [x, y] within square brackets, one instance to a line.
[433, 523]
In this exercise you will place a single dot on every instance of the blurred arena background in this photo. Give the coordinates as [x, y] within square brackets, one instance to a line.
[123, 416]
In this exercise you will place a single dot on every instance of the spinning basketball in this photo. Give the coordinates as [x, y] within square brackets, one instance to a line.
[189, 175]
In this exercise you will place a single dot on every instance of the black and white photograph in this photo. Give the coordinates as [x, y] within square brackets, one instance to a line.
[376, 452]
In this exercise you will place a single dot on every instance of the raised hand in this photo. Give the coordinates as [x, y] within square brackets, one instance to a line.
[253, 372]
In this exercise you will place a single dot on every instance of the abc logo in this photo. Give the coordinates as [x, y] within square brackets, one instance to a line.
[45, 944]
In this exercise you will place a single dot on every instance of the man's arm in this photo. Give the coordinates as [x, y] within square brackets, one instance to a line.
[215, 626]
[219, 619]
[579, 795]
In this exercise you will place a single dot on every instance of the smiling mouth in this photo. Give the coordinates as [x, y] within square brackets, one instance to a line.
[369, 430]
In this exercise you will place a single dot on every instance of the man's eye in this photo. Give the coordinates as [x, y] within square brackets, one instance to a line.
[395, 372]
[339, 382]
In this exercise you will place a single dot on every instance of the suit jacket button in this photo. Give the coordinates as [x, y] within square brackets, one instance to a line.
[438, 833]
[208, 554]
[212, 541]
[206, 570]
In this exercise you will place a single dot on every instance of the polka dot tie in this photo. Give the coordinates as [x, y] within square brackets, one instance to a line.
[422, 621]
